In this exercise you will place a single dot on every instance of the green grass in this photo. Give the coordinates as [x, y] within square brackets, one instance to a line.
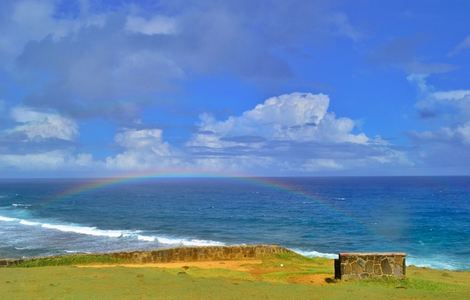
[67, 260]
[58, 278]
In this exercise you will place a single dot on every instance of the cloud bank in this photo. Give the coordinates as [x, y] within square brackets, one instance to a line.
[115, 61]
[446, 146]
[256, 142]
[107, 88]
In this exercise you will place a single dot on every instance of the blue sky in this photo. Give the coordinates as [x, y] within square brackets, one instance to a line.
[101, 88]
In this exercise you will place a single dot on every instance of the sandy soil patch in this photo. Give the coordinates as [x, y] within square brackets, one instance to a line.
[311, 279]
[238, 265]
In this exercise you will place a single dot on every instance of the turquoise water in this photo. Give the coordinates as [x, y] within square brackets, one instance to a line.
[427, 217]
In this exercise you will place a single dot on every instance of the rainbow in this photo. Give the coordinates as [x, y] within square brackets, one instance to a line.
[100, 183]
[271, 182]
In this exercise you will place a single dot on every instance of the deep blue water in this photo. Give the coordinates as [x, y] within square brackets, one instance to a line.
[427, 217]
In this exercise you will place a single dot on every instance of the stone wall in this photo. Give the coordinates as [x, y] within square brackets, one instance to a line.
[9, 262]
[201, 253]
[370, 265]
[182, 254]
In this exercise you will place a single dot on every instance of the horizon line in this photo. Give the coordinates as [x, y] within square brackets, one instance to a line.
[238, 176]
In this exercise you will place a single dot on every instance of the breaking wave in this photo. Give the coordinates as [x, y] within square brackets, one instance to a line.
[110, 233]
[314, 253]
[21, 205]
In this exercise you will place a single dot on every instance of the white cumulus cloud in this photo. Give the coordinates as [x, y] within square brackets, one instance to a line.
[143, 149]
[37, 125]
[292, 133]
[298, 117]
[459, 133]
[48, 160]
[446, 145]
[453, 95]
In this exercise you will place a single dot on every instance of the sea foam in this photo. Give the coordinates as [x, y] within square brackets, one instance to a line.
[314, 253]
[188, 242]
[29, 223]
[93, 231]
[97, 232]
[436, 263]
[8, 219]
[146, 238]
[433, 262]
[20, 205]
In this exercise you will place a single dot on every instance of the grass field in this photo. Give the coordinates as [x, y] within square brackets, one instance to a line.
[287, 276]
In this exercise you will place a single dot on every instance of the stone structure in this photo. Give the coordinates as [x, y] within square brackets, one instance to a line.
[9, 262]
[370, 265]
[182, 254]
[212, 253]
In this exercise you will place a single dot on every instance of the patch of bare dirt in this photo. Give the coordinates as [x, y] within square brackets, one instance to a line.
[310, 279]
[237, 265]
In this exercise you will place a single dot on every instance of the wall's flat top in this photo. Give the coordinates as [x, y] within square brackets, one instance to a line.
[372, 254]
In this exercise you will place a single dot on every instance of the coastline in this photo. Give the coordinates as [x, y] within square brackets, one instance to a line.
[410, 262]
[239, 213]
[248, 272]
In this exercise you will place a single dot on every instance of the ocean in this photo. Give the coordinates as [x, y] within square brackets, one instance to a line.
[426, 217]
